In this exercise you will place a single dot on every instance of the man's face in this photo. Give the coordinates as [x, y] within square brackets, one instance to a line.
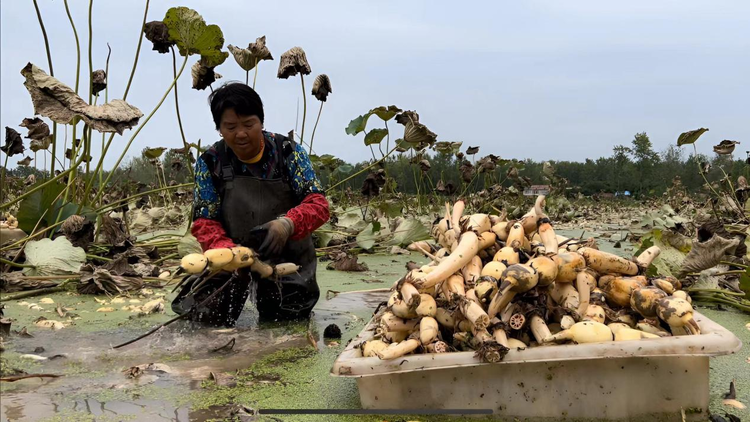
[244, 134]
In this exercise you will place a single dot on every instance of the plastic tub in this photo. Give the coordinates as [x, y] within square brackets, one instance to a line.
[645, 379]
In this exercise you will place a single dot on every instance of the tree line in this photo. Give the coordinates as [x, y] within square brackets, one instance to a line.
[636, 168]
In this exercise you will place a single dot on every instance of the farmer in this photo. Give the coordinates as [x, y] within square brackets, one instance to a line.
[257, 189]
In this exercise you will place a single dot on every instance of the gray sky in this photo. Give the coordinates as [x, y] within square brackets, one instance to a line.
[531, 79]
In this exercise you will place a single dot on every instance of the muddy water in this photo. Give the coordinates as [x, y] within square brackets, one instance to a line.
[273, 363]
[94, 385]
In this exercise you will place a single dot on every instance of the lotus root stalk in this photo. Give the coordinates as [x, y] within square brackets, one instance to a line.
[530, 220]
[539, 328]
[493, 269]
[619, 290]
[410, 295]
[663, 285]
[546, 268]
[458, 212]
[468, 247]
[585, 282]
[485, 289]
[650, 328]
[678, 314]
[402, 310]
[486, 240]
[427, 306]
[595, 313]
[514, 343]
[472, 271]
[454, 285]
[479, 223]
[501, 230]
[583, 332]
[445, 318]
[507, 256]
[437, 347]
[371, 348]
[473, 312]
[194, 263]
[547, 234]
[472, 296]
[568, 266]
[402, 348]
[607, 263]
[565, 295]
[648, 256]
[623, 332]
[218, 258]
[516, 237]
[643, 300]
[393, 323]
[515, 279]
[428, 330]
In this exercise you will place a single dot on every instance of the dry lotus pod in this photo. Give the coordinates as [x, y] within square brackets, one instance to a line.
[38, 132]
[292, 62]
[26, 161]
[249, 57]
[13, 142]
[203, 76]
[416, 133]
[158, 33]
[725, 147]
[98, 81]
[708, 254]
[322, 87]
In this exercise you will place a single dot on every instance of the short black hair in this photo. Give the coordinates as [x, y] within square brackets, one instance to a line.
[238, 96]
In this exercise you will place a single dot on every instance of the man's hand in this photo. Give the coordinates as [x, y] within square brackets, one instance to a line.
[279, 231]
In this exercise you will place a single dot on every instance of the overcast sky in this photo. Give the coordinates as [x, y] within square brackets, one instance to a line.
[562, 80]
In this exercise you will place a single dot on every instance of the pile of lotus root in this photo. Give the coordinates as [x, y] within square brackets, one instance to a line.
[495, 284]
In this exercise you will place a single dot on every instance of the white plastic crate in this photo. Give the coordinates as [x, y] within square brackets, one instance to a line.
[647, 379]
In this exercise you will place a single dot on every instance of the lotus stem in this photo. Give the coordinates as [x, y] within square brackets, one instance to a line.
[726, 292]
[87, 146]
[91, 64]
[106, 100]
[52, 73]
[320, 110]
[98, 258]
[138, 195]
[304, 108]
[15, 264]
[100, 165]
[32, 293]
[140, 127]
[361, 171]
[2, 177]
[256, 74]
[137, 53]
[39, 187]
[164, 258]
[71, 179]
[78, 46]
[177, 108]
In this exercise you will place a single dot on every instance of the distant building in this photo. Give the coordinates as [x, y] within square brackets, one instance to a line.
[536, 190]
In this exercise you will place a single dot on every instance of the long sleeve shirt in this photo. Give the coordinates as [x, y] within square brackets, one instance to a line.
[311, 213]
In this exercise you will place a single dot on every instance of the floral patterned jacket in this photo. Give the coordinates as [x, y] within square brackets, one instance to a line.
[311, 213]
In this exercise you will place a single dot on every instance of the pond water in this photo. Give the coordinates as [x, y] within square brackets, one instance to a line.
[269, 365]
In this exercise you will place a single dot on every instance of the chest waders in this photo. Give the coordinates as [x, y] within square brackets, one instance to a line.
[246, 202]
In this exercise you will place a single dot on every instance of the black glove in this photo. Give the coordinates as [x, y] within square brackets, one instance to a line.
[279, 231]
